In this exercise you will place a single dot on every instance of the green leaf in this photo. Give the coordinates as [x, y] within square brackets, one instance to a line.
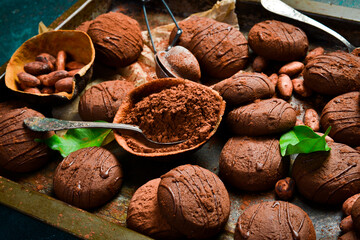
[302, 139]
[76, 139]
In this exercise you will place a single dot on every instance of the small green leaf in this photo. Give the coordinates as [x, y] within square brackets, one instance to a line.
[76, 139]
[302, 139]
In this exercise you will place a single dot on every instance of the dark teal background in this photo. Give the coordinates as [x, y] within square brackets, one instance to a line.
[19, 21]
[16, 226]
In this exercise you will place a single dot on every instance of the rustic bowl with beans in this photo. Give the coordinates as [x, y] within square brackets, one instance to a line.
[52, 67]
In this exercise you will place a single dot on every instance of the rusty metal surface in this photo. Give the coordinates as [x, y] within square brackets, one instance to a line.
[61, 215]
[138, 171]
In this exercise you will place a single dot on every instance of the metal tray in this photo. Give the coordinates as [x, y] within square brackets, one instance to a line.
[32, 193]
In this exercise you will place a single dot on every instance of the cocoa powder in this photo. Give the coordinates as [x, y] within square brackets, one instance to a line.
[182, 112]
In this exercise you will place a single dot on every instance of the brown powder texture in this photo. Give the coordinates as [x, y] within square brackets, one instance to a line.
[182, 112]
[84, 26]
[117, 39]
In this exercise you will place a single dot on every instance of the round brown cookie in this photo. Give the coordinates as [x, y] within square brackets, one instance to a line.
[19, 152]
[333, 73]
[262, 118]
[88, 177]
[84, 26]
[252, 163]
[144, 214]
[7, 106]
[355, 215]
[277, 40]
[244, 87]
[343, 115]
[220, 49]
[274, 220]
[194, 201]
[117, 39]
[101, 101]
[328, 177]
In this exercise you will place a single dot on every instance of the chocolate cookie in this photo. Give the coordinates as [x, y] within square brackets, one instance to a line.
[343, 115]
[194, 201]
[101, 101]
[7, 106]
[244, 87]
[84, 26]
[117, 39]
[262, 118]
[220, 49]
[277, 40]
[88, 178]
[328, 177]
[334, 73]
[252, 163]
[274, 220]
[19, 152]
[144, 215]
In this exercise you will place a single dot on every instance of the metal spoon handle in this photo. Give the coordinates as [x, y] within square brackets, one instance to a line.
[278, 7]
[51, 124]
[178, 32]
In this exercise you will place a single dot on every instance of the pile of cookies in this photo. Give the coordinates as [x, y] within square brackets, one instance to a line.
[190, 201]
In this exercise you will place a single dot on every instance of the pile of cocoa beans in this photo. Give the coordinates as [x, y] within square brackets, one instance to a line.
[350, 224]
[47, 74]
[288, 80]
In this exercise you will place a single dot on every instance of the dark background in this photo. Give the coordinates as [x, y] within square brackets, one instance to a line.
[19, 21]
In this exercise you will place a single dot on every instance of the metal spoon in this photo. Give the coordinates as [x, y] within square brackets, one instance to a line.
[51, 124]
[175, 61]
[279, 7]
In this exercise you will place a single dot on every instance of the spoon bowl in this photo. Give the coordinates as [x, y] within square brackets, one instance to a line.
[195, 138]
[177, 62]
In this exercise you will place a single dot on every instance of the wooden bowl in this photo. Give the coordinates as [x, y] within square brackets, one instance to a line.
[196, 138]
[76, 44]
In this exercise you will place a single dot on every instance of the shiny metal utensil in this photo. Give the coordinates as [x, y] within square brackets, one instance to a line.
[167, 62]
[279, 7]
[40, 124]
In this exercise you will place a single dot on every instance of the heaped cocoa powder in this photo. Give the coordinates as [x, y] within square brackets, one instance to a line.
[186, 111]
